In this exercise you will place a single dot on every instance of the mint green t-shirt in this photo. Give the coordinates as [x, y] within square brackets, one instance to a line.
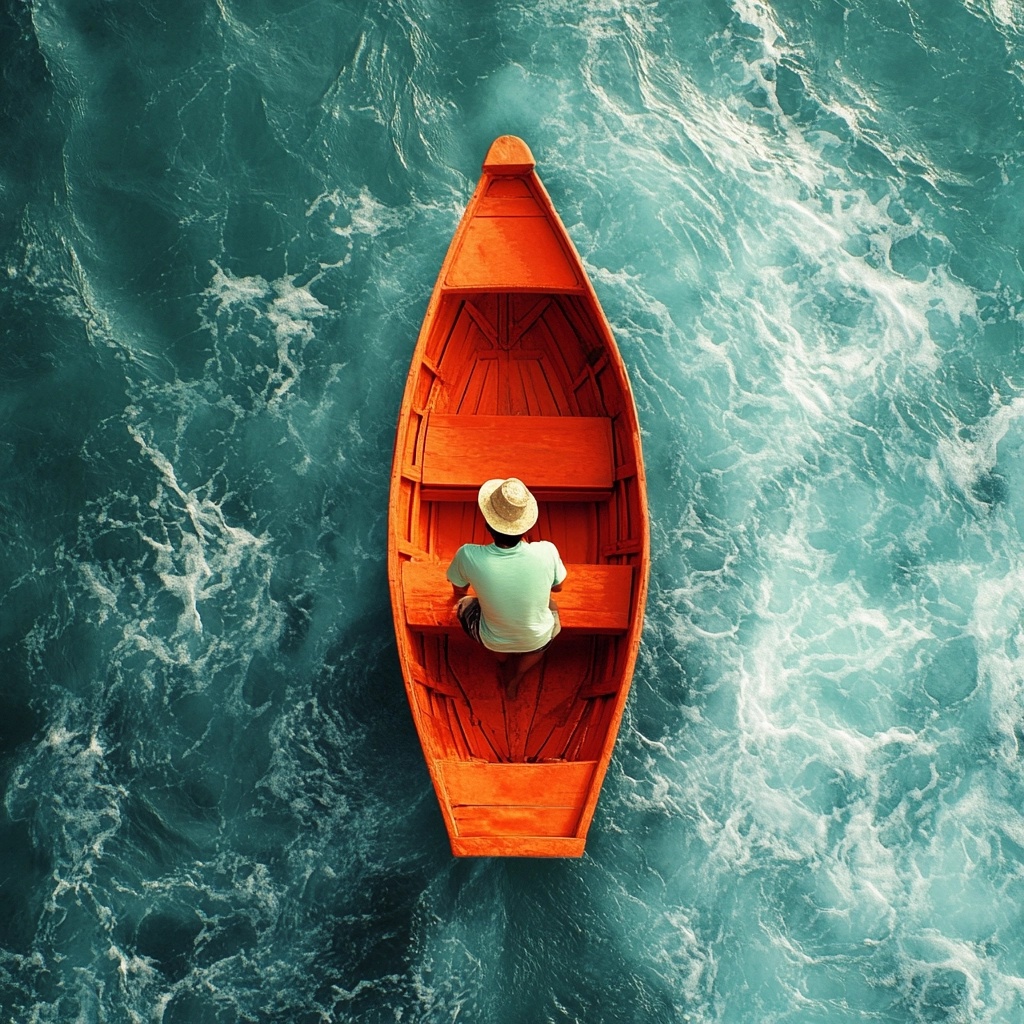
[513, 586]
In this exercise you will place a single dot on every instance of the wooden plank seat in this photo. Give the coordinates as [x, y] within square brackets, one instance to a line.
[560, 458]
[593, 599]
[515, 799]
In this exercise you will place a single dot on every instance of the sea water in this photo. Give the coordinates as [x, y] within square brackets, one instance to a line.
[220, 221]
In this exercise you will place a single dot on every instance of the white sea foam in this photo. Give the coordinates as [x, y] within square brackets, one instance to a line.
[965, 457]
[289, 310]
[366, 216]
[230, 291]
[1005, 13]
[198, 557]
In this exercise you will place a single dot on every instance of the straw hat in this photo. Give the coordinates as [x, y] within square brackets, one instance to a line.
[508, 506]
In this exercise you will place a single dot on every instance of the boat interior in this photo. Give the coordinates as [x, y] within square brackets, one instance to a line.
[520, 384]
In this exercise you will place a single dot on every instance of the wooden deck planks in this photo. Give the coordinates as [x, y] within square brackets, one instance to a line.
[540, 723]
[516, 799]
[589, 735]
[480, 391]
[560, 784]
[516, 821]
[562, 350]
[482, 711]
[537, 399]
[521, 712]
[566, 668]
[546, 719]
[555, 743]
[572, 527]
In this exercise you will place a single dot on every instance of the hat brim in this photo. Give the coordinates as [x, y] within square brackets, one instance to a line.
[512, 529]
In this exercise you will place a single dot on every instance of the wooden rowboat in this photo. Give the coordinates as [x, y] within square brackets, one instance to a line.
[516, 373]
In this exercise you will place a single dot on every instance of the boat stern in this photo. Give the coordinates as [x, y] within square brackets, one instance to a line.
[515, 809]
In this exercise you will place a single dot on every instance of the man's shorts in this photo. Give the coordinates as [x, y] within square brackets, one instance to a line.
[468, 611]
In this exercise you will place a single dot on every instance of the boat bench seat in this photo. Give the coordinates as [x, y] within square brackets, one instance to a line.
[490, 799]
[560, 458]
[593, 598]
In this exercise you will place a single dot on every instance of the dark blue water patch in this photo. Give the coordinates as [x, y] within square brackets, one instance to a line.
[17, 995]
[852, 988]
[838, 309]
[29, 351]
[806, 895]
[26, 865]
[999, 339]
[184, 780]
[31, 132]
[229, 936]
[265, 682]
[21, 720]
[916, 257]
[906, 805]
[168, 939]
[189, 1006]
[934, 992]
[360, 681]
[521, 978]
[38, 339]
[907, 565]
[159, 825]
[967, 389]
[251, 752]
[827, 790]
[65, 660]
[298, 617]
[991, 488]
[795, 99]
[869, 44]
[21, 717]
[51, 471]
[370, 940]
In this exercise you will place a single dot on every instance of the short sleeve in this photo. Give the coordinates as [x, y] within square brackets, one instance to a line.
[560, 571]
[457, 570]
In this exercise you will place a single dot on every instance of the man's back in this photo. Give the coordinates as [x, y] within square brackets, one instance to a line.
[513, 586]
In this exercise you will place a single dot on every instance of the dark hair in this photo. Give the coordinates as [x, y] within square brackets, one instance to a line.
[504, 540]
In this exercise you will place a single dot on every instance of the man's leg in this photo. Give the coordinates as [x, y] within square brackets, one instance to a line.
[516, 668]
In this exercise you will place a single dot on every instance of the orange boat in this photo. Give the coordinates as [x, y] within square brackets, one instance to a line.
[514, 330]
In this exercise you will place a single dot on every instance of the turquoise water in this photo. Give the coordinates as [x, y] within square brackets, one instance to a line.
[219, 226]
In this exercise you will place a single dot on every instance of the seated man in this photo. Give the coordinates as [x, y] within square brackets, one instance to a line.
[512, 613]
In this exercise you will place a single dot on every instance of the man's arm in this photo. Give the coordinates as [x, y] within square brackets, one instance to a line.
[455, 569]
[556, 588]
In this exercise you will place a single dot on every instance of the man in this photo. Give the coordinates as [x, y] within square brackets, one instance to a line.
[512, 613]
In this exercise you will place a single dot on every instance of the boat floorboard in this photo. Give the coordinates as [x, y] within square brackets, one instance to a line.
[546, 720]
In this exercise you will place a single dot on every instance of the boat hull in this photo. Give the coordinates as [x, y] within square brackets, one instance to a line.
[516, 373]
